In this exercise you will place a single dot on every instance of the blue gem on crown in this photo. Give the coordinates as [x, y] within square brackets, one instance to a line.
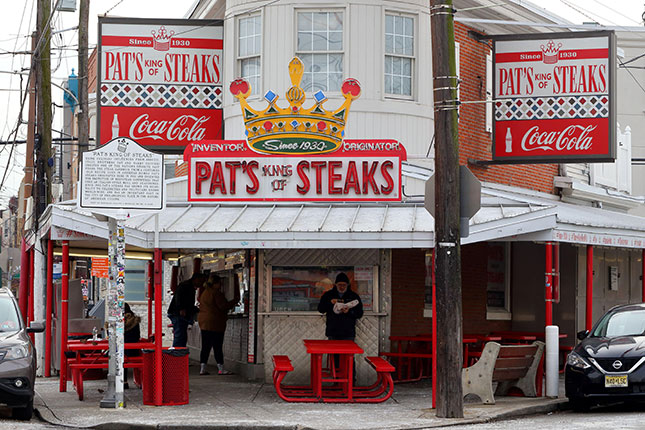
[320, 96]
[294, 124]
[270, 96]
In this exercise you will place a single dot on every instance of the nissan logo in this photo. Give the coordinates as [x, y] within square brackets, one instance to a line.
[617, 364]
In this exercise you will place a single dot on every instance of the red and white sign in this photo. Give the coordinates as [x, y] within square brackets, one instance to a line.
[160, 82]
[361, 170]
[554, 98]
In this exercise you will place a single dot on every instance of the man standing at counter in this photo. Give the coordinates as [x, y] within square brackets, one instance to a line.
[343, 307]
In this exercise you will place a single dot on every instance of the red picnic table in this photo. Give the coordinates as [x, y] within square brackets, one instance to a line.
[414, 355]
[331, 384]
[92, 354]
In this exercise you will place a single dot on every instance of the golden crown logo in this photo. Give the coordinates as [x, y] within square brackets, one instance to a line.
[295, 130]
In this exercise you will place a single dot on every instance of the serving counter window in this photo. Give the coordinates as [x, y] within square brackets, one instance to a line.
[299, 288]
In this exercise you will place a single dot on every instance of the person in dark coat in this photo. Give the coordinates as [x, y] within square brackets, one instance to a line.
[213, 313]
[131, 334]
[182, 309]
[343, 307]
[341, 322]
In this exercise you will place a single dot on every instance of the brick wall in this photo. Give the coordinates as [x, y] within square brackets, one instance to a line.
[474, 141]
[408, 279]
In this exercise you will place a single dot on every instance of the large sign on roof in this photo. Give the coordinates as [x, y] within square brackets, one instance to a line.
[554, 97]
[160, 81]
[360, 170]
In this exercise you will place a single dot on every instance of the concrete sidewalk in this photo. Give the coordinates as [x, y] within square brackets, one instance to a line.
[229, 402]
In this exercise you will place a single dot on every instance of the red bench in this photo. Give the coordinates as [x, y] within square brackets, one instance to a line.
[82, 364]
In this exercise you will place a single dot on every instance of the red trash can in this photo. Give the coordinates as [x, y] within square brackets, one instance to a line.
[174, 376]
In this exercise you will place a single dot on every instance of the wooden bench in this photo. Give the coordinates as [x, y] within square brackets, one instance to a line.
[511, 366]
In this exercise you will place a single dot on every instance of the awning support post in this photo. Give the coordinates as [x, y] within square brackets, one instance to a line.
[643, 273]
[434, 334]
[549, 284]
[158, 328]
[589, 307]
[151, 268]
[30, 312]
[63, 317]
[48, 308]
[23, 291]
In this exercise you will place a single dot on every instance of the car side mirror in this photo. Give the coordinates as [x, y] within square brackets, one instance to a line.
[582, 335]
[36, 327]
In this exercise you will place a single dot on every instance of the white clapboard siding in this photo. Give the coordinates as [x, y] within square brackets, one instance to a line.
[373, 116]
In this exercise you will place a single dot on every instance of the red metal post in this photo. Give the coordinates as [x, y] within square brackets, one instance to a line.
[30, 313]
[151, 268]
[434, 334]
[64, 297]
[158, 328]
[556, 272]
[643, 273]
[48, 307]
[23, 292]
[549, 284]
[589, 311]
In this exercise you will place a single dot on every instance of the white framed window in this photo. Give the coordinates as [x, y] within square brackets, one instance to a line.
[249, 44]
[320, 47]
[399, 55]
[498, 281]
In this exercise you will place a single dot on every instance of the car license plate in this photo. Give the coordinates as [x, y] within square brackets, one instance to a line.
[615, 381]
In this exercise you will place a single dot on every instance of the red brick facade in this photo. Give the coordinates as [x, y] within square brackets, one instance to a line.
[408, 287]
[474, 140]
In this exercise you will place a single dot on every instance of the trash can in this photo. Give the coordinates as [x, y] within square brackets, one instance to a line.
[174, 376]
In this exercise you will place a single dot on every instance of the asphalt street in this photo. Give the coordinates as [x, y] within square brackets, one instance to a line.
[615, 417]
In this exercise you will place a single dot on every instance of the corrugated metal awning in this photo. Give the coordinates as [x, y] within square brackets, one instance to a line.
[400, 225]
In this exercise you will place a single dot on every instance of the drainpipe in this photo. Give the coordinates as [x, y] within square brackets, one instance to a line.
[589, 310]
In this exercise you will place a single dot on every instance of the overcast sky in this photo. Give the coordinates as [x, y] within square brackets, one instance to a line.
[17, 22]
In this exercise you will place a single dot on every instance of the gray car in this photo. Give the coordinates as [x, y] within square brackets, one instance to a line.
[17, 358]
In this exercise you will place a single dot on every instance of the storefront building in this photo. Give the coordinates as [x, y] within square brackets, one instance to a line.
[285, 253]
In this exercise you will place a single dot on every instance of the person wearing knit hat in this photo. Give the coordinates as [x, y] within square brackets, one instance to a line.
[342, 307]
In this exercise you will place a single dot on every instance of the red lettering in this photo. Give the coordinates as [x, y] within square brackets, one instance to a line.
[351, 181]
[333, 177]
[368, 177]
[388, 178]
[203, 172]
[217, 181]
[109, 63]
[232, 166]
[254, 179]
[318, 166]
[304, 189]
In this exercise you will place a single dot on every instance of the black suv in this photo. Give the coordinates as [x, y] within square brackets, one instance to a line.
[17, 358]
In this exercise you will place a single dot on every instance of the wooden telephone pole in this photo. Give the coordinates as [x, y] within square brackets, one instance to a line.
[44, 116]
[447, 235]
[83, 126]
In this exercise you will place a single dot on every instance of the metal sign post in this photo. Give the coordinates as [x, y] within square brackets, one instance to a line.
[114, 310]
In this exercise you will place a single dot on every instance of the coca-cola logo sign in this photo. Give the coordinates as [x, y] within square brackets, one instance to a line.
[183, 128]
[163, 128]
[575, 137]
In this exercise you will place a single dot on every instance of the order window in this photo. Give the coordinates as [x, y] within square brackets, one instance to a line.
[300, 288]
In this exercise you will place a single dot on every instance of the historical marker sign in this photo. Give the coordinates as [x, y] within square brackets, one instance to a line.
[122, 175]
[555, 97]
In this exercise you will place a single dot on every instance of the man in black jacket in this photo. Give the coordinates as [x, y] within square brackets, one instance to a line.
[343, 307]
[182, 309]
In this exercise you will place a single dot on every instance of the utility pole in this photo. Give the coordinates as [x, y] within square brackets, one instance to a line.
[447, 235]
[31, 134]
[43, 150]
[83, 126]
